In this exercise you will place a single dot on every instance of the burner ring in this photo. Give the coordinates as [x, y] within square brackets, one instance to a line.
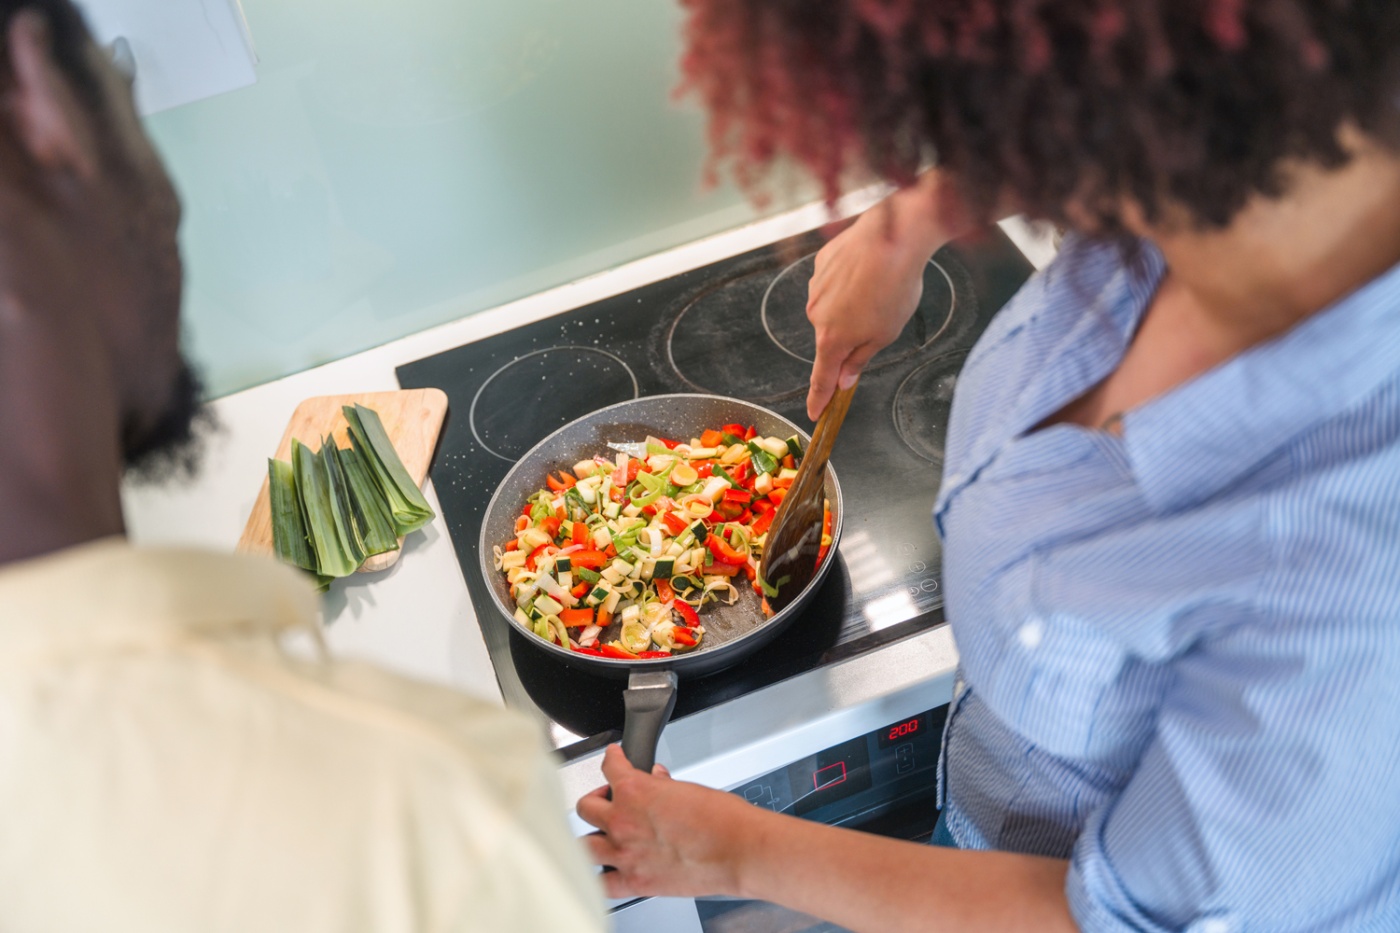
[475, 423]
[923, 402]
[715, 344]
[884, 356]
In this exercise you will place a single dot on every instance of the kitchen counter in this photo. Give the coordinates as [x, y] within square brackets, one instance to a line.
[417, 618]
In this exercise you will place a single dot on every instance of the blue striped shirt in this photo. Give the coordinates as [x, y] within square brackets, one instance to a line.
[1180, 647]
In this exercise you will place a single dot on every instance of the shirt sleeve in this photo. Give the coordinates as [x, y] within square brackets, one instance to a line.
[1267, 799]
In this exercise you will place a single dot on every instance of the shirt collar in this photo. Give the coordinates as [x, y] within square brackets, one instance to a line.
[1202, 436]
[111, 594]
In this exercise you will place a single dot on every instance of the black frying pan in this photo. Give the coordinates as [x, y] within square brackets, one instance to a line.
[731, 632]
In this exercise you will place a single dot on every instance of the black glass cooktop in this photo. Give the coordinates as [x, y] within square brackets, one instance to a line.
[739, 328]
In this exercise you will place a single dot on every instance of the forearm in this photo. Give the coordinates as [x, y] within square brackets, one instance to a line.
[870, 883]
[924, 217]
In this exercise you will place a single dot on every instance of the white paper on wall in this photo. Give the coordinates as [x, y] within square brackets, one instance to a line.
[185, 50]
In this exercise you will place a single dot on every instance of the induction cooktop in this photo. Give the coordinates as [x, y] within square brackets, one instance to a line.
[739, 328]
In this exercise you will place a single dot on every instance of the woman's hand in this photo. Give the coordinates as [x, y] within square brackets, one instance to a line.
[664, 837]
[869, 280]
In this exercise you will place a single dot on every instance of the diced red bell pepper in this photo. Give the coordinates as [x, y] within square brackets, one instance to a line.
[711, 438]
[751, 572]
[512, 544]
[764, 522]
[581, 590]
[735, 429]
[741, 473]
[789, 462]
[526, 511]
[588, 558]
[580, 535]
[533, 558]
[777, 495]
[653, 654]
[722, 570]
[703, 468]
[744, 517]
[764, 506]
[551, 525]
[614, 651]
[687, 612]
[724, 554]
[685, 636]
[728, 511]
[604, 617]
[521, 524]
[594, 652]
[577, 618]
[615, 494]
[826, 533]
[739, 496]
[751, 433]
[664, 592]
[674, 523]
[669, 445]
[610, 551]
[564, 481]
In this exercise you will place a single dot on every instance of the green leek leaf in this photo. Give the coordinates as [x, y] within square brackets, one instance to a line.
[332, 560]
[288, 526]
[341, 509]
[373, 524]
[407, 506]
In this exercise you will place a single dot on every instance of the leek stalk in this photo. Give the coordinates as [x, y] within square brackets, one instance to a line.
[407, 507]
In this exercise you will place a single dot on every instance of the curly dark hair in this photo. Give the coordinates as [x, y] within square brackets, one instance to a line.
[1193, 103]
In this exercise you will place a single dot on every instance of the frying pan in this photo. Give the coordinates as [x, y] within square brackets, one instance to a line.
[731, 632]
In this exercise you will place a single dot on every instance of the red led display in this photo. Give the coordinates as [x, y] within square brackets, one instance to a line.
[904, 731]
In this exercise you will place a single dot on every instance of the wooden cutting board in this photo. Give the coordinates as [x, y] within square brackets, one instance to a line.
[413, 419]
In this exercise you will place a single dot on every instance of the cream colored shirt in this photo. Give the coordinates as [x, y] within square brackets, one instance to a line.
[166, 766]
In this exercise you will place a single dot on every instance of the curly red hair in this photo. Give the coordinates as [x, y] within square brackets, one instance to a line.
[1197, 103]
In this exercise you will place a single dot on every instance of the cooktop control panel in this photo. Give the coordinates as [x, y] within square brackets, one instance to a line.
[848, 781]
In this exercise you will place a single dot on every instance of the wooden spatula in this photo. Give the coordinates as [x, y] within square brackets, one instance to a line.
[795, 539]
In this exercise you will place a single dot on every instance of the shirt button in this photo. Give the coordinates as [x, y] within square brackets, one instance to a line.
[1031, 634]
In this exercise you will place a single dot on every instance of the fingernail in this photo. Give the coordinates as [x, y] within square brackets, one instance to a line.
[849, 379]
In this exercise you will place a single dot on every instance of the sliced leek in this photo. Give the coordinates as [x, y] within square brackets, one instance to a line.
[409, 510]
[373, 524]
[331, 557]
[289, 539]
[333, 509]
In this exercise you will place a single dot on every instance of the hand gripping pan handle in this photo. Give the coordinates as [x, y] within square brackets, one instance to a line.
[649, 698]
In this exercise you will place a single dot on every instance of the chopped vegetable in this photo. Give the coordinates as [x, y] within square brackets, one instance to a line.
[289, 537]
[625, 552]
[331, 557]
[331, 510]
[410, 511]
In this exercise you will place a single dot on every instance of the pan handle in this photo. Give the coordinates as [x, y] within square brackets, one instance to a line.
[649, 698]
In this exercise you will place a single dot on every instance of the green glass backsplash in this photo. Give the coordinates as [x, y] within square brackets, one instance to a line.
[402, 163]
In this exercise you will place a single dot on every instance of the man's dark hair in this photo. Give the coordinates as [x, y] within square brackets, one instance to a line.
[1191, 102]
